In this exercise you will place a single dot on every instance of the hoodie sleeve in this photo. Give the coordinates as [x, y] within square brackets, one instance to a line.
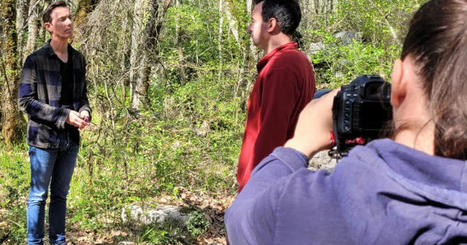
[251, 218]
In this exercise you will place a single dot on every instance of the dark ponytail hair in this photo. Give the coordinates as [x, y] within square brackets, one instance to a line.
[437, 41]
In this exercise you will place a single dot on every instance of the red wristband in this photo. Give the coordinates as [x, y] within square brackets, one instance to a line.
[333, 139]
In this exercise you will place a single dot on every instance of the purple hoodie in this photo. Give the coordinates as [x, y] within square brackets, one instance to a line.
[382, 193]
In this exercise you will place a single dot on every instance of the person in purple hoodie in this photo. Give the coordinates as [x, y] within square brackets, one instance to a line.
[410, 189]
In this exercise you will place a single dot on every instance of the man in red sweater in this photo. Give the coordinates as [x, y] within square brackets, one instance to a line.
[285, 83]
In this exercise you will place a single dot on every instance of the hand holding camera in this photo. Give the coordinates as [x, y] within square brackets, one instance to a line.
[355, 114]
[313, 126]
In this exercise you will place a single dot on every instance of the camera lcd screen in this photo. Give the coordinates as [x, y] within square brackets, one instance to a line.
[373, 115]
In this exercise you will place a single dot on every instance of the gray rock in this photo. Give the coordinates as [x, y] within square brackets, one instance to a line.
[347, 37]
[316, 47]
[322, 161]
[145, 216]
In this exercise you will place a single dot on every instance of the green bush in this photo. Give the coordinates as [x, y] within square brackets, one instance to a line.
[14, 188]
[381, 26]
[197, 223]
[340, 64]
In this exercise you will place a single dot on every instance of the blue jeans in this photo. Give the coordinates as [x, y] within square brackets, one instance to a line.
[54, 167]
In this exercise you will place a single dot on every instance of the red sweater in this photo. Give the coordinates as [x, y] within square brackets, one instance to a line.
[285, 84]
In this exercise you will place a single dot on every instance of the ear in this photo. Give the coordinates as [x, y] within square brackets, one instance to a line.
[399, 83]
[48, 26]
[273, 26]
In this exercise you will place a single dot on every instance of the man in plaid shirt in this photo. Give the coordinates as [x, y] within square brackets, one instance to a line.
[53, 95]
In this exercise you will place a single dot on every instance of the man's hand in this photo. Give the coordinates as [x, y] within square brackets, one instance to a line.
[75, 119]
[85, 116]
[313, 126]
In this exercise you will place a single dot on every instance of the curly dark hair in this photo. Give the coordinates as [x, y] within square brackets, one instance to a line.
[286, 12]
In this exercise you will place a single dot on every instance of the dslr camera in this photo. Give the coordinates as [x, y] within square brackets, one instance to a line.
[361, 112]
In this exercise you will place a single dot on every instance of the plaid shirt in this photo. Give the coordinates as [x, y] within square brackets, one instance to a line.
[39, 97]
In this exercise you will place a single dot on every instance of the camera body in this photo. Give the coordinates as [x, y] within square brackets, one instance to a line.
[361, 112]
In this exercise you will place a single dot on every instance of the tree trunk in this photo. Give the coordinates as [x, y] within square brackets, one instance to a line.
[33, 24]
[148, 16]
[323, 6]
[125, 53]
[12, 121]
[21, 18]
[136, 52]
[249, 6]
[253, 50]
[84, 7]
[181, 57]
[232, 22]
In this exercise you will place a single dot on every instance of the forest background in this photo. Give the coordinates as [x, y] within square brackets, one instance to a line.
[168, 82]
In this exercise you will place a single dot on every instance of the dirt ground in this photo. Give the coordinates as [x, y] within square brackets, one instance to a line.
[212, 205]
